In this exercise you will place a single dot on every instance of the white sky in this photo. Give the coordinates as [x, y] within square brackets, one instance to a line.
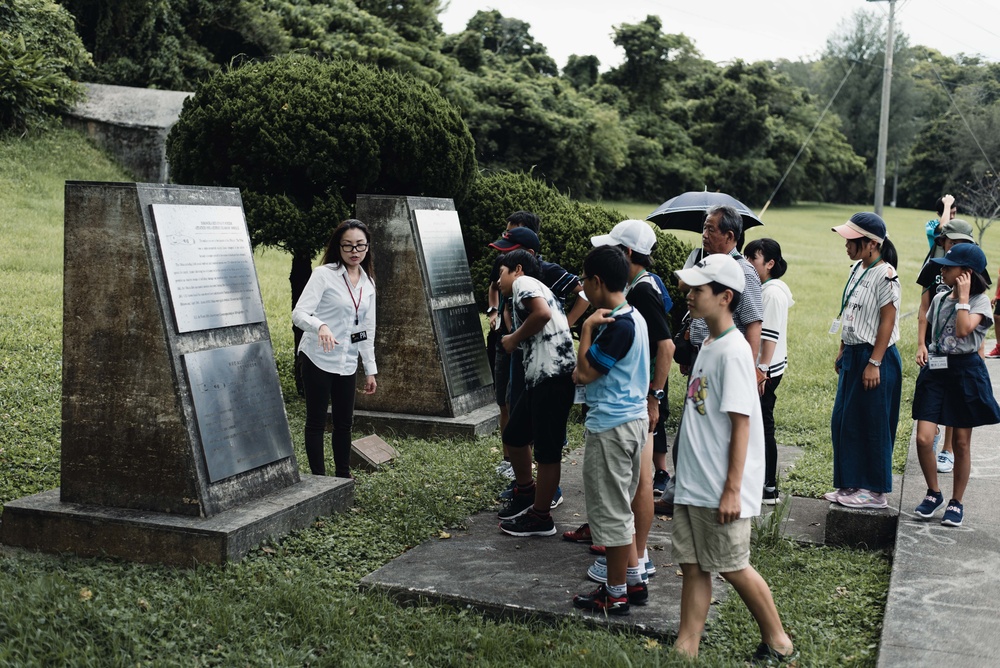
[723, 30]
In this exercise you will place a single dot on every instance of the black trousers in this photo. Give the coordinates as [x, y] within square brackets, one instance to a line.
[323, 389]
[767, 401]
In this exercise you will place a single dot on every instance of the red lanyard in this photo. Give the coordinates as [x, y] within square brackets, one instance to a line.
[357, 304]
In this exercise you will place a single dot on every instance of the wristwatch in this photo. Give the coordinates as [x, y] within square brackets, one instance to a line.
[657, 394]
[875, 363]
[491, 309]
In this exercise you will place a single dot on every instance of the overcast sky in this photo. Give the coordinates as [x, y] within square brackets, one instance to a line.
[749, 29]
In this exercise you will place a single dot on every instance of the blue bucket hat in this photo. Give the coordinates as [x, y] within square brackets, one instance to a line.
[964, 255]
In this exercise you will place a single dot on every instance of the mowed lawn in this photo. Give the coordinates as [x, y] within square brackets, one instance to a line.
[294, 602]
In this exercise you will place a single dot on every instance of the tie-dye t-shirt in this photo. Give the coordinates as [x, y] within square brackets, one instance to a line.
[549, 353]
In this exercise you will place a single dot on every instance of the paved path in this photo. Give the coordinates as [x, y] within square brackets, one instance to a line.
[944, 596]
[511, 577]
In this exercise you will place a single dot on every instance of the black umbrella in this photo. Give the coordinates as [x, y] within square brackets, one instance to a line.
[687, 211]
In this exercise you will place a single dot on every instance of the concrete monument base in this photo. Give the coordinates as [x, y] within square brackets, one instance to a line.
[479, 422]
[42, 522]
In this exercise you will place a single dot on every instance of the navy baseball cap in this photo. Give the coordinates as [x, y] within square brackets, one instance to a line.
[519, 237]
[863, 224]
[964, 255]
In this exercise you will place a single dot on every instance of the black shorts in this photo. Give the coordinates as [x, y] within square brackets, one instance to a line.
[501, 380]
[660, 443]
[996, 308]
[540, 416]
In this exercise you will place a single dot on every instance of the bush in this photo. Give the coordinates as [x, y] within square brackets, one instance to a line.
[567, 226]
[301, 138]
[40, 53]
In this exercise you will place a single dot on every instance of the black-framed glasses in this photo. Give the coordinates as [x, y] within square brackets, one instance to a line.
[347, 248]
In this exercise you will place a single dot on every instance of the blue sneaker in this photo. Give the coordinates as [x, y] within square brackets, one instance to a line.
[660, 479]
[508, 491]
[557, 499]
[953, 514]
[930, 505]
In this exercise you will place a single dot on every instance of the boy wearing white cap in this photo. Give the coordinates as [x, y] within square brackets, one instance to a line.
[720, 467]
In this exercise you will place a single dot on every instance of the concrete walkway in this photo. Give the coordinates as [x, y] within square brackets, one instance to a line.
[505, 576]
[944, 595]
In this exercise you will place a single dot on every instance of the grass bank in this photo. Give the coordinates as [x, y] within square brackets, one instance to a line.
[295, 603]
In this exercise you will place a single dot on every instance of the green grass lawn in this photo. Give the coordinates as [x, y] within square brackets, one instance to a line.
[295, 602]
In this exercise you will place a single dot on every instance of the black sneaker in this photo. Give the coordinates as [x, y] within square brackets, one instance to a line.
[638, 594]
[660, 479]
[600, 600]
[770, 496]
[517, 504]
[529, 524]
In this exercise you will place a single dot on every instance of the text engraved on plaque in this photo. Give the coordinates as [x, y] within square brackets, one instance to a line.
[209, 265]
[444, 253]
[463, 349]
[238, 407]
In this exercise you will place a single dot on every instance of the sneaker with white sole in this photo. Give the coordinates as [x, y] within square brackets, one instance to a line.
[953, 514]
[930, 505]
[557, 499]
[864, 499]
[518, 504]
[945, 462]
[600, 600]
[660, 480]
[995, 353]
[770, 497]
[529, 524]
[837, 493]
[505, 469]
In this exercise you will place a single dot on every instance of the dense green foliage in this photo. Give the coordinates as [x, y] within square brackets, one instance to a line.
[301, 138]
[565, 232]
[40, 54]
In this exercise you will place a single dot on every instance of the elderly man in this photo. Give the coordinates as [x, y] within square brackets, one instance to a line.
[722, 228]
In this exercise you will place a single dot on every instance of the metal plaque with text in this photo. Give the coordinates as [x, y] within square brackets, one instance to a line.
[238, 407]
[209, 265]
[444, 252]
[463, 349]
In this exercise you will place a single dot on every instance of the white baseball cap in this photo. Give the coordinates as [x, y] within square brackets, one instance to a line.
[634, 234]
[718, 267]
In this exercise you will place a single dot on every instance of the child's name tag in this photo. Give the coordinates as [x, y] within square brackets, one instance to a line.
[937, 362]
[357, 337]
[580, 396]
[835, 327]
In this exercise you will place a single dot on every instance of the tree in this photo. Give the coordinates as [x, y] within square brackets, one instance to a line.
[981, 198]
[510, 39]
[40, 54]
[301, 138]
[582, 71]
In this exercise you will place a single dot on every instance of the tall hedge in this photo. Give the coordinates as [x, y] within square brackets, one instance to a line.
[301, 138]
[566, 229]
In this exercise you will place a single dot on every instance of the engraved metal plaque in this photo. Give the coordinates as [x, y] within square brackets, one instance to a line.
[238, 407]
[445, 260]
[209, 265]
[462, 348]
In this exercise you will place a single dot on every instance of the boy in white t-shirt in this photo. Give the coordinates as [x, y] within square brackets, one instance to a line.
[720, 468]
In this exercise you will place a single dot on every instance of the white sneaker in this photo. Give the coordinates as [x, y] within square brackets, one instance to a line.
[945, 461]
[505, 469]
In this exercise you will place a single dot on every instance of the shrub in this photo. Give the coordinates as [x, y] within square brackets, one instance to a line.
[567, 226]
[39, 54]
[301, 138]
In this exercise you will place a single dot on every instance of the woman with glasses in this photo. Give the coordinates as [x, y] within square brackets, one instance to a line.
[336, 313]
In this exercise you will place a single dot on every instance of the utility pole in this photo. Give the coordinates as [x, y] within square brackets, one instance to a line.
[883, 121]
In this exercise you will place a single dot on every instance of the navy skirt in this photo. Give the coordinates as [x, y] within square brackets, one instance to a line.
[959, 396]
[863, 424]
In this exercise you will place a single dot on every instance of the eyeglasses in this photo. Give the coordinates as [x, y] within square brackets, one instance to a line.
[347, 248]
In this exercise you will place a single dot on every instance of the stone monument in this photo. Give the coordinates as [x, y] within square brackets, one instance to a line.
[434, 377]
[175, 442]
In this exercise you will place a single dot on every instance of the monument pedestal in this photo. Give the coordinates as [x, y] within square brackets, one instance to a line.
[175, 444]
[42, 522]
[479, 422]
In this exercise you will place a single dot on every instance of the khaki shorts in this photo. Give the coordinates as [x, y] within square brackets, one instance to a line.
[611, 466]
[698, 538]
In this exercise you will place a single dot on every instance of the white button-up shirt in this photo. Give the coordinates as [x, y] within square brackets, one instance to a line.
[330, 299]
